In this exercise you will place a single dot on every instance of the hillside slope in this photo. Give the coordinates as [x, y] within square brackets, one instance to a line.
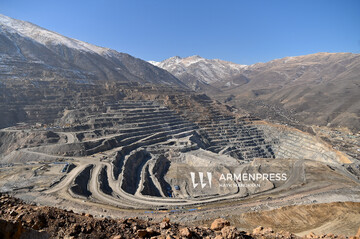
[29, 51]
[320, 89]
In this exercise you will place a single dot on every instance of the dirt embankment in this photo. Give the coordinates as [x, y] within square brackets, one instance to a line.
[336, 218]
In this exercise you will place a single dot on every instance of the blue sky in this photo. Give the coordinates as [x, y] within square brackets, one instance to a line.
[244, 32]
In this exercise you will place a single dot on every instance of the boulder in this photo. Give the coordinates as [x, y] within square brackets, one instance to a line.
[142, 233]
[166, 219]
[229, 232]
[267, 230]
[257, 230]
[185, 232]
[219, 223]
[117, 237]
[164, 225]
[14, 230]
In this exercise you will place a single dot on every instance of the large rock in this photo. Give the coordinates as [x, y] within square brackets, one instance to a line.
[185, 232]
[219, 224]
[229, 232]
[164, 225]
[257, 230]
[142, 233]
[11, 230]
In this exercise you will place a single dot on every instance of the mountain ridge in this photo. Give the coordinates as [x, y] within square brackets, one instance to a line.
[40, 52]
[207, 77]
[315, 89]
[45, 36]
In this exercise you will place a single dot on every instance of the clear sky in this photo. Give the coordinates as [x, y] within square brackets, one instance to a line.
[244, 32]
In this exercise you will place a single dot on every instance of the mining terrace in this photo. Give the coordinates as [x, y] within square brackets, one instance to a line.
[120, 149]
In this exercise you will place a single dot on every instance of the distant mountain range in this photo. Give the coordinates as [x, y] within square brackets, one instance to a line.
[320, 88]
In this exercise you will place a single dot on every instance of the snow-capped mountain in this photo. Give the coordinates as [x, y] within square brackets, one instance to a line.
[321, 88]
[27, 50]
[44, 36]
[198, 72]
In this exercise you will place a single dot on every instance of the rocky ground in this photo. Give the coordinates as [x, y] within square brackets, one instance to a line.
[21, 220]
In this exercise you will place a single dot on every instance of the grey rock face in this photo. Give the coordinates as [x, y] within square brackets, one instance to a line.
[29, 51]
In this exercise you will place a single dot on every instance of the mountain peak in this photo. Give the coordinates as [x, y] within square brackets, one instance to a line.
[175, 57]
[204, 70]
[195, 57]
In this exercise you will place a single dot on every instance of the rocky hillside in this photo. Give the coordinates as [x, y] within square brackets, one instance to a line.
[28, 51]
[320, 89]
[21, 220]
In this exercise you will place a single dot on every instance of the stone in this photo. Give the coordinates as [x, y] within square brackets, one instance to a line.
[13, 213]
[38, 225]
[284, 234]
[87, 229]
[267, 230]
[142, 233]
[229, 232]
[358, 233]
[185, 232]
[158, 237]
[257, 230]
[219, 223]
[151, 231]
[16, 230]
[166, 219]
[164, 225]
[75, 229]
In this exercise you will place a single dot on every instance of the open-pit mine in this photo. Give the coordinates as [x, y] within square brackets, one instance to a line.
[133, 147]
[89, 129]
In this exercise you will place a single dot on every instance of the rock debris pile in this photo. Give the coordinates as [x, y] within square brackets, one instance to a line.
[21, 220]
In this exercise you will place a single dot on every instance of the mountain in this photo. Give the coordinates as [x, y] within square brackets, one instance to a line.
[86, 128]
[200, 73]
[29, 51]
[320, 89]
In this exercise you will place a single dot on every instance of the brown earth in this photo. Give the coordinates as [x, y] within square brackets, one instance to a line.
[337, 217]
[21, 220]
